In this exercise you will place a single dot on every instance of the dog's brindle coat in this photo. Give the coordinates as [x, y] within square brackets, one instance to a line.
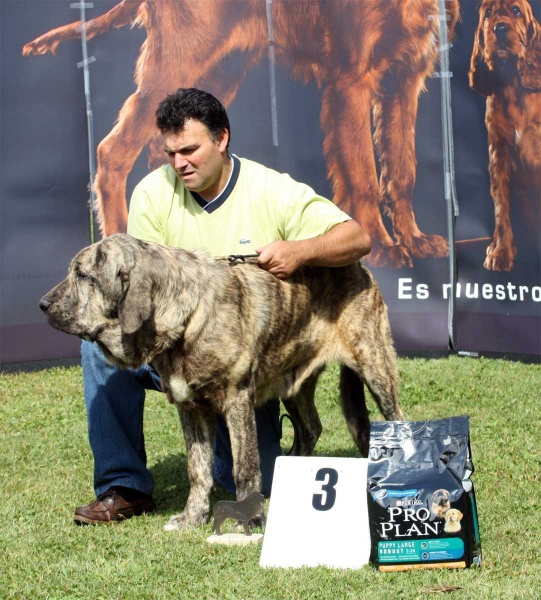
[225, 338]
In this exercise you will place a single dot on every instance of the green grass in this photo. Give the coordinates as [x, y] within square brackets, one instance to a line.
[47, 470]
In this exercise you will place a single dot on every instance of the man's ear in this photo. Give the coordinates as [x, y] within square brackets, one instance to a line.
[222, 140]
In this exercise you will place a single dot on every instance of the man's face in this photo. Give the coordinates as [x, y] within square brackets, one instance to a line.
[198, 160]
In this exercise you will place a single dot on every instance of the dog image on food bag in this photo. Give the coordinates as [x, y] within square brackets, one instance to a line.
[439, 503]
[452, 520]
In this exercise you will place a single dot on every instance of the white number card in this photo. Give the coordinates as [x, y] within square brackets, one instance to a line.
[318, 514]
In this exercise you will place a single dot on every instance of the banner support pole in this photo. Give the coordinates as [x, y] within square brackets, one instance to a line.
[272, 75]
[89, 117]
[449, 168]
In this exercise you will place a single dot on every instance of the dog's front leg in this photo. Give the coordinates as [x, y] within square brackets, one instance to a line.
[240, 418]
[502, 250]
[199, 426]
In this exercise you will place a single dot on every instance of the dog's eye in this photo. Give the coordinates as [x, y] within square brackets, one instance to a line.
[488, 12]
[516, 11]
[83, 277]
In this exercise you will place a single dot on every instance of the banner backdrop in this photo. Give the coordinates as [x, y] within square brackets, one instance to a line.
[498, 304]
[43, 177]
[345, 95]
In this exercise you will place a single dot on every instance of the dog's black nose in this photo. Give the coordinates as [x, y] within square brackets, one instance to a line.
[501, 30]
[44, 304]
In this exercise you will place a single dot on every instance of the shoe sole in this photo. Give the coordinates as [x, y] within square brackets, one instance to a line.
[80, 520]
[85, 521]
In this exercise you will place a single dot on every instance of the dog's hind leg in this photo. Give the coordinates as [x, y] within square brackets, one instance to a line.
[378, 370]
[351, 164]
[353, 403]
[198, 426]
[117, 154]
[395, 116]
[303, 413]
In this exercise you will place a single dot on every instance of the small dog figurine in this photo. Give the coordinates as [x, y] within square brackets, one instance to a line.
[242, 511]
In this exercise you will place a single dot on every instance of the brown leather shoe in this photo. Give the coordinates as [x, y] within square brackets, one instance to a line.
[112, 506]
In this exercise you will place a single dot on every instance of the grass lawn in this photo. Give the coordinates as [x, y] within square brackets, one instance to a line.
[47, 470]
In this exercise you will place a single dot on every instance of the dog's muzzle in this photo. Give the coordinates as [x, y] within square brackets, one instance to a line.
[44, 304]
[501, 30]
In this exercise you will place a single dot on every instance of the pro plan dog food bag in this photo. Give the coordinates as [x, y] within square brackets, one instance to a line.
[421, 502]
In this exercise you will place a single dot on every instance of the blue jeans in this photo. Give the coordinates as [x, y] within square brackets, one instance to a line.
[114, 403]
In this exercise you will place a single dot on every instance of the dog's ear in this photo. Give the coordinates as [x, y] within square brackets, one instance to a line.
[480, 76]
[135, 306]
[529, 67]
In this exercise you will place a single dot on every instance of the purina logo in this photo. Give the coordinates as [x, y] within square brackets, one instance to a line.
[245, 241]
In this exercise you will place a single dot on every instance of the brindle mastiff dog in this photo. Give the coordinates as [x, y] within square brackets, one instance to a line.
[227, 337]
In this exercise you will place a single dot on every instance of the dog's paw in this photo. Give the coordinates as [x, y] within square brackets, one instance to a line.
[500, 257]
[392, 256]
[185, 521]
[42, 45]
[428, 246]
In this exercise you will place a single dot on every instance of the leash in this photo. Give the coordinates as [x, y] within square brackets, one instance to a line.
[286, 416]
[238, 257]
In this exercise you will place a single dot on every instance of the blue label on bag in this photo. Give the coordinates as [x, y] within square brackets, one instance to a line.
[419, 551]
[401, 493]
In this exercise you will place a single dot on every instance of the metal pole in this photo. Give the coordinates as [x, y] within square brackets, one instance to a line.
[449, 169]
[272, 74]
[89, 118]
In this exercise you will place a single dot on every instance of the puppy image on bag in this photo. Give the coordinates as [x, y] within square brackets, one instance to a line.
[452, 520]
[421, 502]
[440, 503]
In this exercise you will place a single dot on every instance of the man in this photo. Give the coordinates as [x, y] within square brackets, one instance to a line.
[205, 198]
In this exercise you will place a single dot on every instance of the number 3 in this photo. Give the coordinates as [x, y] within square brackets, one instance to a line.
[328, 488]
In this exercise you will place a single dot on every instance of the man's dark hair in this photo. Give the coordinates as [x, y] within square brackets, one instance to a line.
[189, 103]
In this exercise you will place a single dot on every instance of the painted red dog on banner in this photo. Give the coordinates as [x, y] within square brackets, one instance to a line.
[370, 59]
[506, 69]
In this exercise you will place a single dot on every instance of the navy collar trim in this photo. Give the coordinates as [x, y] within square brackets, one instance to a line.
[226, 192]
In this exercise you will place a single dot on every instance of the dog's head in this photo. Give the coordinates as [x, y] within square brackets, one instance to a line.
[507, 42]
[107, 297]
[440, 503]
[453, 515]
[452, 520]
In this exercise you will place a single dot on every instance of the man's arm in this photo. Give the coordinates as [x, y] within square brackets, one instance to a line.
[143, 223]
[342, 245]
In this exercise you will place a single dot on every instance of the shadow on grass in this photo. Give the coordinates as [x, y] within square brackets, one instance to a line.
[351, 452]
[171, 486]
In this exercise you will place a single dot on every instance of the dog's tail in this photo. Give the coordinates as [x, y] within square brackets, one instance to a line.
[353, 402]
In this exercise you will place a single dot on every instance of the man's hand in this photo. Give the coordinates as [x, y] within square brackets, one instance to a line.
[280, 258]
[342, 245]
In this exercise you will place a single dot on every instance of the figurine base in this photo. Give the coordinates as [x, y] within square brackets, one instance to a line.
[235, 539]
